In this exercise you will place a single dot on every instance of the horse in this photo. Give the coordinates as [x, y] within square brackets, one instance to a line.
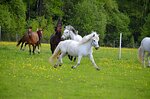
[77, 49]
[33, 39]
[55, 38]
[71, 33]
[144, 47]
[22, 41]
[25, 36]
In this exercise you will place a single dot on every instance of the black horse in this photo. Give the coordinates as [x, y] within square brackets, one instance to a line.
[56, 38]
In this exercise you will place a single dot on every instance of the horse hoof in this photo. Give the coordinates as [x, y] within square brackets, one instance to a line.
[73, 67]
[97, 69]
[55, 66]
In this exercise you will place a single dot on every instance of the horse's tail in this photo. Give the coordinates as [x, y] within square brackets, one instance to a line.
[19, 42]
[55, 54]
[140, 53]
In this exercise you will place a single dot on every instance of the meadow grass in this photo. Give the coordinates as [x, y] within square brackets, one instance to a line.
[24, 76]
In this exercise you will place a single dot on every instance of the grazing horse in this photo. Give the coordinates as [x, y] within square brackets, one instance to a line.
[74, 48]
[144, 47]
[24, 39]
[56, 38]
[71, 33]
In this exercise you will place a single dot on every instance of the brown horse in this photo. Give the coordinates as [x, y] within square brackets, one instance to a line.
[31, 38]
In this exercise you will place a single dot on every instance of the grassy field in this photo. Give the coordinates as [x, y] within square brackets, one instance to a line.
[24, 76]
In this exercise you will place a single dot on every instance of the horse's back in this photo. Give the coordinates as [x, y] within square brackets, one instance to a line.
[146, 44]
[35, 36]
[79, 38]
[32, 38]
[69, 46]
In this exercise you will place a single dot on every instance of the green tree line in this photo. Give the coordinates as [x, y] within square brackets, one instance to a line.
[108, 17]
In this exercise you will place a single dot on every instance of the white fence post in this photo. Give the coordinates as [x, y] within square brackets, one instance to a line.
[120, 46]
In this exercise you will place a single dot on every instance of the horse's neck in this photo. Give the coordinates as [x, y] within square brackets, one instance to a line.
[88, 45]
[58, 34]
[72, 36]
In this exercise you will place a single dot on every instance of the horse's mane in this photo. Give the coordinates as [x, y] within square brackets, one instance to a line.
[88, 37]
[71, 28]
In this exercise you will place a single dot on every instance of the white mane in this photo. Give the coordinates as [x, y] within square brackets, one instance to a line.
[71, 28]
[89, 37]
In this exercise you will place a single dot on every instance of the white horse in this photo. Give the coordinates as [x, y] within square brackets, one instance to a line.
[71, 33]
[144, 47]
[74, 48]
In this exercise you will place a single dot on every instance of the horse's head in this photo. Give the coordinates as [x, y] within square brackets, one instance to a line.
[69, 32]
[95, 40]
[58, 28]
[40, 31]
[66, 34]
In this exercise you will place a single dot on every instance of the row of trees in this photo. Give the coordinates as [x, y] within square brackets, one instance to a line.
[108, 17]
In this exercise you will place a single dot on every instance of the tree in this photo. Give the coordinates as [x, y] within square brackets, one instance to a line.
[92, 18]
[145, 28]
[12, 15]
[137, 10]
[6, 21]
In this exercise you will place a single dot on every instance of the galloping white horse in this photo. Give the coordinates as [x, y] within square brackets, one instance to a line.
[144, 47]
[74, 48]
[71, 33]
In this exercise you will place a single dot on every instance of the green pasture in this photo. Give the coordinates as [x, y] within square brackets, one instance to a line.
[24, 76]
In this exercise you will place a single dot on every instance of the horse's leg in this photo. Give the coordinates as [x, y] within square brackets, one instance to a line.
[60, 58]
[38, 49]
[70, 57]
[29, 49]
[21, 46]
[74, 59]
[52, 47]
[33, 48]
[25, 46]
[148, 55]
[78, 63]
[38, 45]
[93, 62]
[59, 61]
[143, 58]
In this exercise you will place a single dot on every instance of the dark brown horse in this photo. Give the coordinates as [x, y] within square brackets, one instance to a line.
[56, 38]
[31, 38]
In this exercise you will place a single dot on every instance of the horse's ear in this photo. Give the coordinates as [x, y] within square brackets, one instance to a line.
[77, 32]
[93, 35]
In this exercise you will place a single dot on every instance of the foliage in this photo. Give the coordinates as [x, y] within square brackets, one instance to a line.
[108, 17]
[137, 11]
[146, 29]
[7, 22]
[24, 76]
[92, 18]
